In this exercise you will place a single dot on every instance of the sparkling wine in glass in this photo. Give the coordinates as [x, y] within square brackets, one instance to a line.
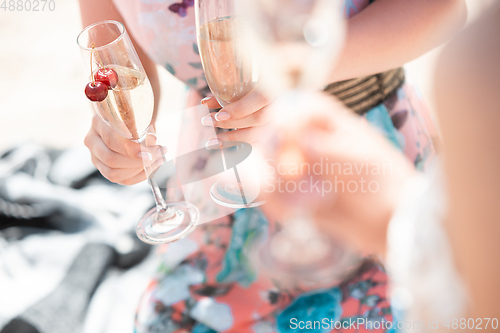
[297, 43]
[226, 57]
[231, 72]
[122, 96]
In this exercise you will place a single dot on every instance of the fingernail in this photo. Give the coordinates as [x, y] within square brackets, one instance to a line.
[207, 121]
[222, 115]
[213, 144]
[205, 100]
[160, 152]
[145, 156]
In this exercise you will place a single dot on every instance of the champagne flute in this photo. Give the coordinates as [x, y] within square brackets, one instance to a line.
[297, 43]
[231, 73]
[126, 105]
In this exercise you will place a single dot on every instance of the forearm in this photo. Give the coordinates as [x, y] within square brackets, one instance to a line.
[467, 81]
[389, 33]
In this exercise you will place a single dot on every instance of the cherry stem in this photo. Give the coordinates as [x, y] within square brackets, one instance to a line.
[91, 71]
[98, 56]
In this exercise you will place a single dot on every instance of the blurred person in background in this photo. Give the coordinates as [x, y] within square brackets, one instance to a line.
[440, 248]
[210, 286]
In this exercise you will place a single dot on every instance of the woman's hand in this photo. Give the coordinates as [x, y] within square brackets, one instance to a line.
[248, 115]
[118, 159]
[336, 167]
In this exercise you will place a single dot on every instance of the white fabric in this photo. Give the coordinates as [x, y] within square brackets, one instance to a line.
[425, 285]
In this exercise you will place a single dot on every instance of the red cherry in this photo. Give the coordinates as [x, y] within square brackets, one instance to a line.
[107, 76]
[97, 91]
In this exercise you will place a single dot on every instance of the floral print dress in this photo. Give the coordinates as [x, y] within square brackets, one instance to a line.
[206, 282]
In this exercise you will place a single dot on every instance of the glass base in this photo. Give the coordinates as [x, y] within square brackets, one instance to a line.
[160, 227]
[313, 262]
[230, 194]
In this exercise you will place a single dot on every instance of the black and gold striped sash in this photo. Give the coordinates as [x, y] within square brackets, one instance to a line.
[362, 94]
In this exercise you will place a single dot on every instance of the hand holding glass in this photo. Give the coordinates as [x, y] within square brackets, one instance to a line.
[127, 106]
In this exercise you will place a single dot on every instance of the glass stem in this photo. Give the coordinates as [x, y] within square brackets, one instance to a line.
[164, 212]
[161, 204]
[238, 179]
[239, 185]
